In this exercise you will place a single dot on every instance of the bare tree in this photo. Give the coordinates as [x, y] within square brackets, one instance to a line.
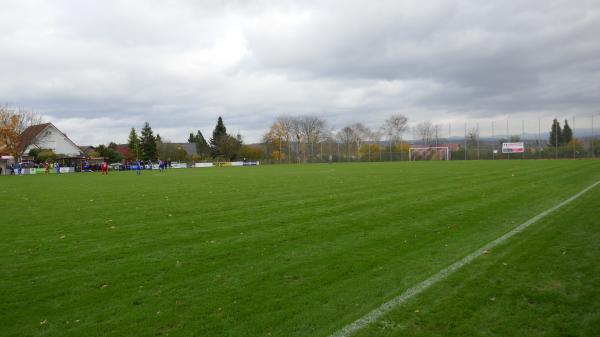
[280, 136]
[394, 127]
[286, 126]
[347, 136]
[427, 133]
[361, 134]
[375, 137]
[312, 128]
[299, 137]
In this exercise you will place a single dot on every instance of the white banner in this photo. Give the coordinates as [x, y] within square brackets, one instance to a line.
[513, 147]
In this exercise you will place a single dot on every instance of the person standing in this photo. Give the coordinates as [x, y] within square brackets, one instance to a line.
[20, 168]
[137, 167]
[57, 167]
[46, 168]
[104, 168]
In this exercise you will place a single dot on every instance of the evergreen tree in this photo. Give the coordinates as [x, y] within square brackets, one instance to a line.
[109, 153]
[202, 147]
[133, 143]
[191, 138]
[567, 134]
[556, 138]
[159, 146]
[148, 143]
[219, 134]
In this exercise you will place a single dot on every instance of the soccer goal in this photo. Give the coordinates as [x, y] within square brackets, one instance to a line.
[429, 153]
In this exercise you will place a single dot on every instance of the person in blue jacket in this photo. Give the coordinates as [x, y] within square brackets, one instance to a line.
[137, 167]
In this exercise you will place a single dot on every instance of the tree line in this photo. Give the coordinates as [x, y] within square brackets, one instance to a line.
[221, 146]
[295, 139]
[308, 138]
[288, 139]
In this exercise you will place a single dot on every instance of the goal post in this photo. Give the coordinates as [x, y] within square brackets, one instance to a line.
[429, 153]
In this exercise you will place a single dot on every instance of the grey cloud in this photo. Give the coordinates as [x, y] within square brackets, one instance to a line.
[180, 64]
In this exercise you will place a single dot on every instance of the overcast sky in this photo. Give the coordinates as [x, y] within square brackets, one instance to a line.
[97, 68]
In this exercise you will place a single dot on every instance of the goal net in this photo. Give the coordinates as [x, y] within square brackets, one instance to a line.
[429, 153]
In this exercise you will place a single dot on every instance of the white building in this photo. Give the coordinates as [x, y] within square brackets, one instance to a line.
[5, 162]
[47, 136]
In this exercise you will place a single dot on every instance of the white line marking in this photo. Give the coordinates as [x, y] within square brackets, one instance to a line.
[442, 274]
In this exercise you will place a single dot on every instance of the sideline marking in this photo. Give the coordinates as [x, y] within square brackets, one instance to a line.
[386, 307]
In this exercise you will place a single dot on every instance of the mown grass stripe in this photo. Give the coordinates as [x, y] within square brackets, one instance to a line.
[375, 314]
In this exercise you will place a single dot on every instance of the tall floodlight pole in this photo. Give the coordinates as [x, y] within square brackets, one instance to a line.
[573, 138]
[556, 138]
[401, 147]
[539, 140]
[507, 138]
[321, 152]
[465, 141]
[593, 154]
[494, 142]
[478, 141]
[523, 136]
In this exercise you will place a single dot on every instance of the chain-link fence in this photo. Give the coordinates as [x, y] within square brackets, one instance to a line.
[542, 138]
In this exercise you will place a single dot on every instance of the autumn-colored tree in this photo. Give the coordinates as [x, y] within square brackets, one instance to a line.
[279, 139]
[12, 123]
[250, 152]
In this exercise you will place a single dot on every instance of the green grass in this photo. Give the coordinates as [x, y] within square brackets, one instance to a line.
[543, 282]
[282, 250]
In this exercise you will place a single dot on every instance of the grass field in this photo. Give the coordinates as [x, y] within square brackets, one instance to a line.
[300, 250]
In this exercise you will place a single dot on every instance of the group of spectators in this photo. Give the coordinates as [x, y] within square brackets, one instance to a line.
[86, 166]
[130, 165]
[17, 169]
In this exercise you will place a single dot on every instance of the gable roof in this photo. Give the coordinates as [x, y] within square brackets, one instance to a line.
[29, 135]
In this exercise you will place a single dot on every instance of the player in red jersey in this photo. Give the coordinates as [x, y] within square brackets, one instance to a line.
[104, 168]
